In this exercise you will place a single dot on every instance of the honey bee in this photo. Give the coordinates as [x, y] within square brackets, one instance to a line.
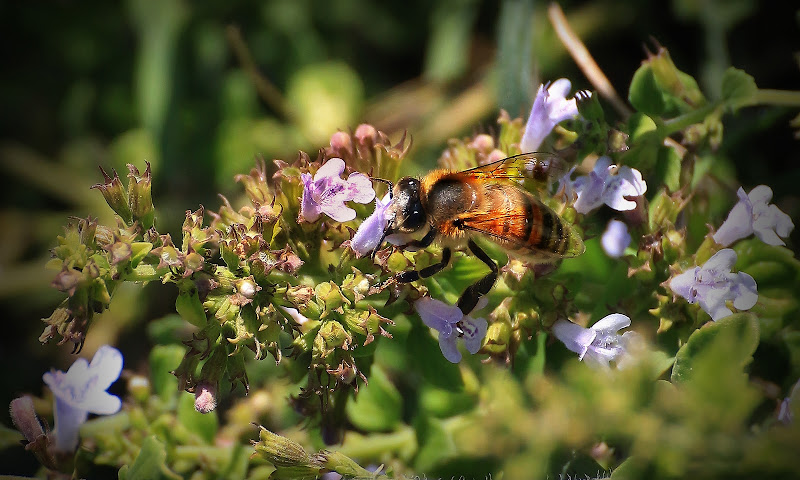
[483, 201]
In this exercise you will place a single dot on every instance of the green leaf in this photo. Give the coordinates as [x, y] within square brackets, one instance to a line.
[732, 339]
[149, 464]
[668, 169]
[645, 94]
[436, 444]
[324, 97]
[378, 405]
[426, 357]
[163, 360]
[203, 424]
[738, 88]
[9, 437]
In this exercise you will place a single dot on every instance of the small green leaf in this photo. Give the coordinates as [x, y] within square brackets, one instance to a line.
[203, 424]
[149, 464]
[377, 406]
[436, 444]
[163, 360]
[645, 94]
[9, 437]
[668, 169]
[738, 88]
[735, 337]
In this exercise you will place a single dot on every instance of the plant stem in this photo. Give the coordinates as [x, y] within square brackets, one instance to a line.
[682, 121]
[784, 98]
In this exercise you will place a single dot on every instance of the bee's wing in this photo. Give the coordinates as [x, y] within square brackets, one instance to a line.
[513, 230]
[540, 166]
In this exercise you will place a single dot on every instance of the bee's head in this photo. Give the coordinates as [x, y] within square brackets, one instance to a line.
[406, 214]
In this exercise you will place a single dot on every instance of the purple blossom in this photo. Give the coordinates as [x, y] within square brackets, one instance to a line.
[615, 239]
[327, 192]
[550, 107]
[370, 231]
[600, 344]
[601, 187]
[713, 284]
[754, 214]
[82, 390]
[452, 324]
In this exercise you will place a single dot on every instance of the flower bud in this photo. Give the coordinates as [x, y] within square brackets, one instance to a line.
[366, 134]
[281, 451]
[115, 195]
[672, 80]
[497, 338]
[25, 419]
[330, 296]
[205, 397]
[140, 198]
[139, 388]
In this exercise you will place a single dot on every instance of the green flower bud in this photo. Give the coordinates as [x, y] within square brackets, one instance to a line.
[342, 464]
[140, 198]
[335, 335]
[139, 387]
[672, 80]
[497, 338]
[255, 184]
[330, 296]
[664, 210]
[282, 452]
[115, 195]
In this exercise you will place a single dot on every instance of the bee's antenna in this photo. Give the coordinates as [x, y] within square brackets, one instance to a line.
[387, 182]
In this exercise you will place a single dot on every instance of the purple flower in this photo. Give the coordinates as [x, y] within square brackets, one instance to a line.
[713, 284]
[550, 107]
[327, 192]
[82, 390]
[370, 231]
[754, 214]
[601, 187]
[452, 325]
[615, 239]
[600, 344]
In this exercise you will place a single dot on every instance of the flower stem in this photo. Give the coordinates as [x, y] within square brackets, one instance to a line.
[784, 98]
[682, 121]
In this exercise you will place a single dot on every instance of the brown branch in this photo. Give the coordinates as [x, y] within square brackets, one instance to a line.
[584, 59]
[268, 92]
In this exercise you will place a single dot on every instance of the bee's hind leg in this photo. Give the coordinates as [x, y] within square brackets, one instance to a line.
[470, 297]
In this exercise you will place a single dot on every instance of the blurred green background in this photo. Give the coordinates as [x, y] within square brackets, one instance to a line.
[201, 88]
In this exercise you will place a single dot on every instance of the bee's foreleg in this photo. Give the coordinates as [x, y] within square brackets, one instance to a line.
[424, 241]
[475, 291]
[414, 275]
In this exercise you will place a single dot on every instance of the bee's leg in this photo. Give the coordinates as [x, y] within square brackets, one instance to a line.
[475, 291]
[414, 275]
[424, 241]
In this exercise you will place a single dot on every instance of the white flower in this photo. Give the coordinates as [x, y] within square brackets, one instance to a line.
[452, 324]
[550, 107]
[601, 187]
[713, 284]
[82, 390]
[600, 344]
[754, 214]
[615, 239]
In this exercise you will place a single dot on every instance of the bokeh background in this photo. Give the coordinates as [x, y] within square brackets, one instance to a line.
[201, 88]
